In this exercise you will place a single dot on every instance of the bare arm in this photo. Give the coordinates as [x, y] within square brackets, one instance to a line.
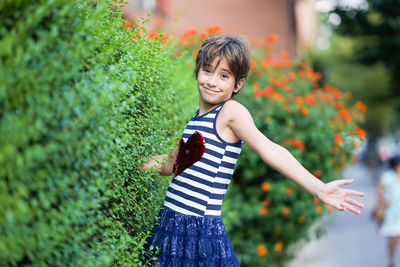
[242, 125]
[163, 164]
[379, 189]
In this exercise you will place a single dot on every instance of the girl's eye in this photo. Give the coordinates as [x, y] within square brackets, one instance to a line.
[224, 76]
[206, 70]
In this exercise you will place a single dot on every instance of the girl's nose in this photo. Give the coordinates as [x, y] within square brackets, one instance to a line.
[212, 80]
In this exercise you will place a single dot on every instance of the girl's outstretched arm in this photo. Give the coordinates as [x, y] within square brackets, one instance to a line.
[163, 164]
[242, 125]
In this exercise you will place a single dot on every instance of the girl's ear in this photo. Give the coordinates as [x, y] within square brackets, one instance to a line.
[239, 85]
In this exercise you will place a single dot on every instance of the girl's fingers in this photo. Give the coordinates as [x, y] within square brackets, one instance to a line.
[344, 182]
[354, 202]
[350, 208]
[354, 193]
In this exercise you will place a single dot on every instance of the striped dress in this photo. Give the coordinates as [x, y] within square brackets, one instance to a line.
[189, 231]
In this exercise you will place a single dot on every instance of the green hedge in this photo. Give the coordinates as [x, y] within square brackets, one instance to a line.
[82, 101]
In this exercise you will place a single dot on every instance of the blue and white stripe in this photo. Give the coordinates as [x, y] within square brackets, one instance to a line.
[199, 190]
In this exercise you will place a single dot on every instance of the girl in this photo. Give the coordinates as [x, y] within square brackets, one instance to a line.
[190, 231]
[389, 190]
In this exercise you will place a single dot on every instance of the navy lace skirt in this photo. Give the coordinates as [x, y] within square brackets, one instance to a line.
[186, 240]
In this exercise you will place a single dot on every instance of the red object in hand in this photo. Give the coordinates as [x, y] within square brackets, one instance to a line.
[189, 152]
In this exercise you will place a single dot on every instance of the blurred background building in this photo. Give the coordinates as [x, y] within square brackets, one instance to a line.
[294, 21]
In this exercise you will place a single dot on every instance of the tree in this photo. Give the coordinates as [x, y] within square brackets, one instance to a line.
[379, 28]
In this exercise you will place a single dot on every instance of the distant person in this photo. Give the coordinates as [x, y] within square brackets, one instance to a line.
[389, 190]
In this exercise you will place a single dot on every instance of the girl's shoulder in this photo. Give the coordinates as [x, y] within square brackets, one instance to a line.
[233, 110]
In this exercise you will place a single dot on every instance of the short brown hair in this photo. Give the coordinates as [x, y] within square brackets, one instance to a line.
[234, 48]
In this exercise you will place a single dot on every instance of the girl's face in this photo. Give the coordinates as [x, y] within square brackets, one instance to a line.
[216, 82]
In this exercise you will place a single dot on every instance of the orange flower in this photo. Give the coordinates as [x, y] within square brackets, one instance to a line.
[289, 190]
[361, 106]
[154, 35]
[343, 113]
[255, 85]
[319, 209]
[315, 201]
[214, 29]
[337, 94]
[267, 202]
[127, 24]
[292, 76]
[338, 105]
[338, 139]
[164, 38]
[258, 93]
[304, 111]
[301, 73]
[195, 53]
[311, 75]
[299, 101]
[301, 219]
[284, 54]
[328, 99]
[271, 38]
[203, 35]
[317, 173]
[285, 211]
[277, 96]
[278, 246]
[360, 132]
[190, 33]
[263, 211]
[297, 143]
[328, 87]
[261, 250]
[287, 63]
[329, 207]
[309, 99]
[210, 29]
[265, 186]
[253, 63]
[268, 91]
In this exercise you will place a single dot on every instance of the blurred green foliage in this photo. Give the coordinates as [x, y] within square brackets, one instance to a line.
[368, 83]
[376, 35]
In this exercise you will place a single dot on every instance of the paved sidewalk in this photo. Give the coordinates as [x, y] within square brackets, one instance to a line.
[350, 240]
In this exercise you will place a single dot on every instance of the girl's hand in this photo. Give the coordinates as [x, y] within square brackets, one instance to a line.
[337, 197]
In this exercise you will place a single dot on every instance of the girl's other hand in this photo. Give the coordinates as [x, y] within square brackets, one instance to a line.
[334, 195]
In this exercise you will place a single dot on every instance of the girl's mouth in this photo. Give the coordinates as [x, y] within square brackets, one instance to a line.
[210, 90]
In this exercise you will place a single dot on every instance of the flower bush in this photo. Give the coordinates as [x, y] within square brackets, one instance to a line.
[265, 213]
